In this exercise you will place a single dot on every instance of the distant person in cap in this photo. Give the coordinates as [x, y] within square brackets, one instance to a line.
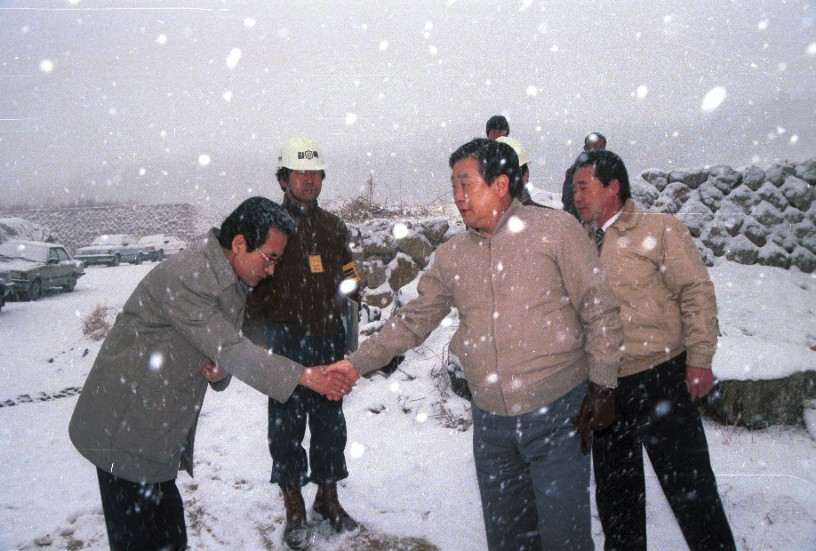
[524, 161]
[594, 140]
[299, 315]
[497, 126]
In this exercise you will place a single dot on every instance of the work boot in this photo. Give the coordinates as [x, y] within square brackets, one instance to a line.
[327, 506]
[295, 534]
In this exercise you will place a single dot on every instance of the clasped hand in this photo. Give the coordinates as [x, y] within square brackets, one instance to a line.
[334, 381]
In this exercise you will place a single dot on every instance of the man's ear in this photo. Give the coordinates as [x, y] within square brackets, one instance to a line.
[239, 244]
[614, 186]
[502, 183]
[283, 184]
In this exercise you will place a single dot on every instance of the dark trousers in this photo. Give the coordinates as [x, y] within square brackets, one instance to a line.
[533, 479]
[287, 421]
[142, 517]
[655, 411]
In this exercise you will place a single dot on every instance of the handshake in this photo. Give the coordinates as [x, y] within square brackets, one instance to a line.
[334, 381]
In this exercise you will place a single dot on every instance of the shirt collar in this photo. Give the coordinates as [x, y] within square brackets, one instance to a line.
[611, 220]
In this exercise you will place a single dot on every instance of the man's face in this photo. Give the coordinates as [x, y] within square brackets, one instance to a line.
[252, 267]
[494, 134]
[595, 203]
[303, 186]
[595, 142]
[480, 205]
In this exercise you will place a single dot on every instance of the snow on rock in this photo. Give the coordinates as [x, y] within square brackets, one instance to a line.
[19, 228]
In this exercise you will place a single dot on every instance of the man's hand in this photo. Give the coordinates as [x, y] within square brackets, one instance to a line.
[318, 379]
[699, 380]
[597, 413]
[344, 370]
[213, 373]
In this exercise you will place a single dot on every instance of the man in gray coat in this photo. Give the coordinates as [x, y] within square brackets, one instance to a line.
[136, 417]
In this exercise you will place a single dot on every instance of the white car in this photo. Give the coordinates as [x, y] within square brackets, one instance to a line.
[162, 245]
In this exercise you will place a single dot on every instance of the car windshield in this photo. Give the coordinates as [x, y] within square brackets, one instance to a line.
[106, 240]
[151, 239]
[26, 251]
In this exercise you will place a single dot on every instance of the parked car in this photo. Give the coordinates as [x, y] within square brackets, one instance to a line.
[33, 267]
[113, 249]
[162, 245]
[3, 292]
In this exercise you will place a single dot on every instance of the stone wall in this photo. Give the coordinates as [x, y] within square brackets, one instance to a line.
[77, 227]
[748, 215]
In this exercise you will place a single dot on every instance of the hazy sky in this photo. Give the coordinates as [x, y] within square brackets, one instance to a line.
[190, 100]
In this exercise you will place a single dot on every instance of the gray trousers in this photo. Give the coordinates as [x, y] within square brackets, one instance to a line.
[533, 479]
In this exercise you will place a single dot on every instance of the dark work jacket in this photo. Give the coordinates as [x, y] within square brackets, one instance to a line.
[299, 295]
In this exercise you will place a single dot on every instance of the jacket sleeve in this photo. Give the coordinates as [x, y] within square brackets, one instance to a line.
[597, 306]
[410, 327]
[197, 316]
[687, 278]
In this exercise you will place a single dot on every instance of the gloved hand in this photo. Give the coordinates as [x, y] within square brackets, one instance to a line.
[597, 413]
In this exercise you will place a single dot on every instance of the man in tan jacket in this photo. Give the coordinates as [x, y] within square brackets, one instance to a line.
[536, 321]
[668, 309]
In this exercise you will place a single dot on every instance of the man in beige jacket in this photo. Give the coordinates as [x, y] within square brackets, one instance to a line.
[668, 309]
[536, 321]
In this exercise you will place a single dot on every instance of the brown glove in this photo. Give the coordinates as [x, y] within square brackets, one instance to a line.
[597, 413]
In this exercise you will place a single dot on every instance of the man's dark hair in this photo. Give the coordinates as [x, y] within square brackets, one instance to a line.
[253, 219]
[495, 158]
[607, 166]
[283, 174]
[497, 122]
[594, 137]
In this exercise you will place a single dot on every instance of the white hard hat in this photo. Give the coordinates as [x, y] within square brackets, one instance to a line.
[517, 146]
[301, 153]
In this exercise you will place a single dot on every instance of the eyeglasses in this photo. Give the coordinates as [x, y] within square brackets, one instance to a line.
[269, 262]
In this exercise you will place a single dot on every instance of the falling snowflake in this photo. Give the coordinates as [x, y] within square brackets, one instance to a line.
[348, 286]
[46, 66]
[161, 39]
[713, 99]
[351, 118]
[204, 159]
[641, 91]
[156, 361]
[400, 230]
[515, 224]
[233, 58]
[356, 450]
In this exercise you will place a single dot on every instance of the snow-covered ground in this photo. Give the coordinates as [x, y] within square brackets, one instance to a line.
[411, 477]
